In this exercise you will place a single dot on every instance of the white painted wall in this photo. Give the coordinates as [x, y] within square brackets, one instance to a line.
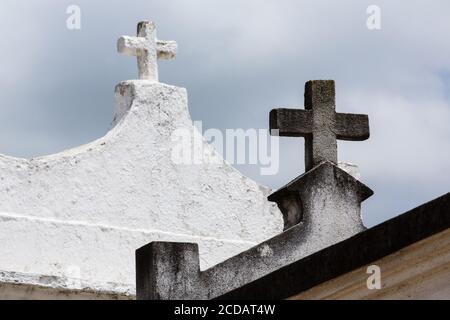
[89, 208]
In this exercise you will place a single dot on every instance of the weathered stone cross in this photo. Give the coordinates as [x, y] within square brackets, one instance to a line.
[319, 123]
[147, 49]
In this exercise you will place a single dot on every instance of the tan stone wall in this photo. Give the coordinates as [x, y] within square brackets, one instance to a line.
[420, 271]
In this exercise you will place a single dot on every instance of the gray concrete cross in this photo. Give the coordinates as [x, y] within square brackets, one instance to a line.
[147, 49]
[319, 123]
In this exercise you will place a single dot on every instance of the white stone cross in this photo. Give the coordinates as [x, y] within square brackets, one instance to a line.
[147, 49]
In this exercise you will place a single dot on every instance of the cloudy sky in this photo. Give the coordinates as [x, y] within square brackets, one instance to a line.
[239, 59]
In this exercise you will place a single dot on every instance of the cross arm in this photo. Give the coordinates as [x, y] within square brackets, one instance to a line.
[291, 122]
[130, 45]
[352, 127]
[166, 49]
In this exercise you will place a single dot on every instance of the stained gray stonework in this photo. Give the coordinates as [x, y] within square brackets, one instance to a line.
[321, 208]
[330, 201]
[319, 123]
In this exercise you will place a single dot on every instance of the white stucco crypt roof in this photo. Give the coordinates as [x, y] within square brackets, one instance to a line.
[82, 212]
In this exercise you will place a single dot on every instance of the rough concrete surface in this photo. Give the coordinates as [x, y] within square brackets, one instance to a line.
[331, 212]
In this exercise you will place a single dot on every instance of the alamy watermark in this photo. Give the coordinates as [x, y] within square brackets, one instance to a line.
[239, 146]
[374, 18]
[374, 280]
[73, 21]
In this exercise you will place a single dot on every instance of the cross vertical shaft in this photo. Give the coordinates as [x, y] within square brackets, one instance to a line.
[147, 58]
[321, 145]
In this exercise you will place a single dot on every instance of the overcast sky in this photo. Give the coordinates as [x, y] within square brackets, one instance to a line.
[239, 59]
